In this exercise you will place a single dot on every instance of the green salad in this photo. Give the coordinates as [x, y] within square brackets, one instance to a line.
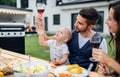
[32, 69]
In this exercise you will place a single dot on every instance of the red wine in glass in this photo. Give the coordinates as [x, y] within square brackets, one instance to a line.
[95, 42]
[41, 11]
[95, 45]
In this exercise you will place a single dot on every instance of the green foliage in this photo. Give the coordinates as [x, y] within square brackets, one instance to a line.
[8, 2]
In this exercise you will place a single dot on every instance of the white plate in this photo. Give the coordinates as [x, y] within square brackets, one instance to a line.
[63, 69]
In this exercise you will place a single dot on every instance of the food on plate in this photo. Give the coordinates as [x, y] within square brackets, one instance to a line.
[74, 69]
[6, 70]
[71, 66]
[63, 75]
[32, 69]
[1, 74]
[6, 64]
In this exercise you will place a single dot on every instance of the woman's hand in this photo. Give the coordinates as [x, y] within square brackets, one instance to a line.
[95, 74]
[103, 68]
[100, 55]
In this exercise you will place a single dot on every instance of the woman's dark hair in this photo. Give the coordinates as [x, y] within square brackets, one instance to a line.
[116, 7]
[90, 14]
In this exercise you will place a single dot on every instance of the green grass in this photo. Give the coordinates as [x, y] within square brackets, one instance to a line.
[33, 48]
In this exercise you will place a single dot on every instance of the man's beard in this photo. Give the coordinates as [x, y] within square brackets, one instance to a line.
[80, 31]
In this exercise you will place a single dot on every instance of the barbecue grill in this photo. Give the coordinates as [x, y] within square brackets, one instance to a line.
[12, 37]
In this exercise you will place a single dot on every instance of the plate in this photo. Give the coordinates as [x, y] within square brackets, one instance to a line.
[63, 69]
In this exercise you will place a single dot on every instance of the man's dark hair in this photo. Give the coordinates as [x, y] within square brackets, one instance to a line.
[90, 14]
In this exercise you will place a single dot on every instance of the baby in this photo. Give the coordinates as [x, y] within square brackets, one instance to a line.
[58, 48]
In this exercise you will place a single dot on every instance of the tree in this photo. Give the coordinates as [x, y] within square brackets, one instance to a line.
[8, 2]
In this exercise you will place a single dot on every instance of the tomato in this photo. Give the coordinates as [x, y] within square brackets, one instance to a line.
[63, 75]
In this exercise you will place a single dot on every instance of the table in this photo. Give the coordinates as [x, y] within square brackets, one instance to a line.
[21, 57]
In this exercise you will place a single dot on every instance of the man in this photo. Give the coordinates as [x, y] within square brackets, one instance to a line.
[79, 46]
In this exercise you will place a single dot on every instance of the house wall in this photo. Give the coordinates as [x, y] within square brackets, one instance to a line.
[4, 18]
[18, 4]
[65, 13]
[28, 18]
[18, 18]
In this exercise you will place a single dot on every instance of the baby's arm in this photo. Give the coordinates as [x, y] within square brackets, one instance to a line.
[62, 60]
[41, 34]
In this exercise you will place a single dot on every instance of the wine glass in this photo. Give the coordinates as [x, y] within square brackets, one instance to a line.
[40, 8]
[95, 42]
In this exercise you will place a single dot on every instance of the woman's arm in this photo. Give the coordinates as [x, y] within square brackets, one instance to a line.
[115, 65]
[101, 56]
[95, 74]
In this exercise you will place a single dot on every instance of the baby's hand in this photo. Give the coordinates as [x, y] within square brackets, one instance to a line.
[56, 62]
[39, 22]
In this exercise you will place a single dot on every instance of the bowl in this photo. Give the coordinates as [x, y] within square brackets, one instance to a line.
[21, 70]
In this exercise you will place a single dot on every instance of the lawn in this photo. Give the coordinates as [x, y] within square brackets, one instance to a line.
[33, 48]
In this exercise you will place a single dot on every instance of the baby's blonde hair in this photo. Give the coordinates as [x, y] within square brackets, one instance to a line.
[68, 33]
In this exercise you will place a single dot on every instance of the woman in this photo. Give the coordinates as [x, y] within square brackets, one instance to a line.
[113, 23]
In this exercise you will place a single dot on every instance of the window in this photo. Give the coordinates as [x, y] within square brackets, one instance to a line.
[34, 20]
[46, 23]
[57, 2]
[73, 19]
[41, 1]
[99, 26]
[56, 19]
[24, 3]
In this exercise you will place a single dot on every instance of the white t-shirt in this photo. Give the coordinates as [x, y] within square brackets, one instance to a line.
[57, 51]
[83, 41]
